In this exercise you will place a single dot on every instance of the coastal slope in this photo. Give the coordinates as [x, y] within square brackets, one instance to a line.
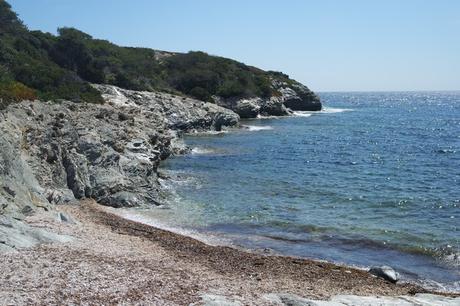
[37, 65]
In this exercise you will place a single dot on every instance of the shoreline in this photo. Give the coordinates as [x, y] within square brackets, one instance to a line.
[205, 246]
[115, 260]
[215, 240]
[245, 126]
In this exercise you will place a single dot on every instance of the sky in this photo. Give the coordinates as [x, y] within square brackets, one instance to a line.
[327, 45]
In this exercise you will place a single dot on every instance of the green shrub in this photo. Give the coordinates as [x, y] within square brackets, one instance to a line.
[63, 66]
[216, 75]
[200, 94]
[12, 91]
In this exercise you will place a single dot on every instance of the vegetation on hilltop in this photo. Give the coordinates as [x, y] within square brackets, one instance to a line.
[34, 64]
[26, 69]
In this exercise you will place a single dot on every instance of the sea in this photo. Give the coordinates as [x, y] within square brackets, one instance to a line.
[372, 179]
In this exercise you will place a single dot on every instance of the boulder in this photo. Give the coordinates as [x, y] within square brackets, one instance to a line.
[224, 119]
[273, 107]
[385, 272]
[300, 99]
[247, 108]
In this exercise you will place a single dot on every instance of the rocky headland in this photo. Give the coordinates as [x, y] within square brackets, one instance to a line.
[290, 97]
[59, 152]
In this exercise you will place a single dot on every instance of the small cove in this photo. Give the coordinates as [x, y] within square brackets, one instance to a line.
[371, 180]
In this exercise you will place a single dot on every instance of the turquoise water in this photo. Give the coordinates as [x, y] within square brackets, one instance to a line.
[373, 179]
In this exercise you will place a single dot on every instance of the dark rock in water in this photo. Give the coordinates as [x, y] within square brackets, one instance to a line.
[222, 119]
[273, 107]
[247, 110]
[309, 104]
[301, 100]
[294, 96]
[244, 107]
[385, 272]
[298, 97]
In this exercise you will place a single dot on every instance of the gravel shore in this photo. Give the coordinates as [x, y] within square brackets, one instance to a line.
[116, 261]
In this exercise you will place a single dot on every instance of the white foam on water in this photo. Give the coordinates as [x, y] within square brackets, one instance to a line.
[204, 133]
[333, 110]
[325, 110]
[208, 239]
[255, 128]
[259, 116]
[198, 150]
[452, 260]
[302, 114]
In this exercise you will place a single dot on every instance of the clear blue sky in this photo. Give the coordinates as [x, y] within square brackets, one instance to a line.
[328, 45]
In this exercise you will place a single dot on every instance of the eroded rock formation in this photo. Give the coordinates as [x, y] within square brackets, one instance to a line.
[55, 153]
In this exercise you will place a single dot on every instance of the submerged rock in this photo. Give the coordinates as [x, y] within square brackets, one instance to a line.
[385, 272]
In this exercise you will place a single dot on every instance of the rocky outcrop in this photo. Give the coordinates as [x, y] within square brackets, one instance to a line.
[296, 96]
[288, 97]
[244, 107]
[55, 153]
[177, 112]
[300, 98]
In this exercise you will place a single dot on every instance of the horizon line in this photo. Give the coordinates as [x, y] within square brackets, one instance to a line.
[384, 90]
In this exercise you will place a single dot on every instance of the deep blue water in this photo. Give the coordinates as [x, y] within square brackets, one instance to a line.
[377, 183]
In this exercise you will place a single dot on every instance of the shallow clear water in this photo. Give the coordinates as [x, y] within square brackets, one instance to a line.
[374, 179]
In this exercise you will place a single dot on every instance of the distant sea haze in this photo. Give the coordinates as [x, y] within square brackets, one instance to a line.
[372, 179]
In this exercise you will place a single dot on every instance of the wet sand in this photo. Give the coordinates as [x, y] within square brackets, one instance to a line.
[117, 261]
